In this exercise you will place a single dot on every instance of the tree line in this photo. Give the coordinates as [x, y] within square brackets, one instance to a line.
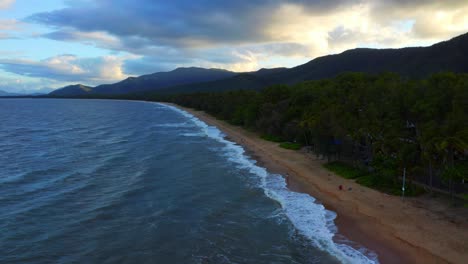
[384, 123]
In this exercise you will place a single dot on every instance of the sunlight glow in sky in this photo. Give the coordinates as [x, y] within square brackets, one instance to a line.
[53, 43]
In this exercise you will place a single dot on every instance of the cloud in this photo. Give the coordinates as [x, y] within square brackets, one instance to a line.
[432, 19]
[180, 22]
[5, 4]
[100, 39]
[5, 36]
[9, 24]
[231, 35]
[235, 58]
[29, 85]
[152, 26]
[68, 68]
[241, 35]
[441, 24]
[8, 28]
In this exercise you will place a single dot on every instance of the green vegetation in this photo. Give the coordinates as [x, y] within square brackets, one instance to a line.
[382, 123]
[389, 186]
[372, 180]
[380, 184]
[291, 145]
[283, 144]
[271, 138]
[344, 170]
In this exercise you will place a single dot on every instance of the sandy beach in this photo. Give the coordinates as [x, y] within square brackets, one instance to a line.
[398, 230]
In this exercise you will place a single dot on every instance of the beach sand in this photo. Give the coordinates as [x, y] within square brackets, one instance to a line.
[399, 231]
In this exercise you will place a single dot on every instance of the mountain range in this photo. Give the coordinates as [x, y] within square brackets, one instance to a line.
[23, 93]
[4, 93]
[149, 82]
[413, 62]
[32, 92]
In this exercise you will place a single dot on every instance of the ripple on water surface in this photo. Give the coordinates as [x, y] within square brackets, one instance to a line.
[120, 181]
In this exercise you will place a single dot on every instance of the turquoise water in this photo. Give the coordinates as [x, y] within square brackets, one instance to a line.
[95, 181]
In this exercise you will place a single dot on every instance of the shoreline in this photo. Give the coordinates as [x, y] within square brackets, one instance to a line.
[397, 231]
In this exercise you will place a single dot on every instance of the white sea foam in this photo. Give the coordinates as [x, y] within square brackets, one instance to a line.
[174, 125]
[310, 218]
[193, 134]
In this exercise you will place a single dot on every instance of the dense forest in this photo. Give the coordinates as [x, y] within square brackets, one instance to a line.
[381, 123]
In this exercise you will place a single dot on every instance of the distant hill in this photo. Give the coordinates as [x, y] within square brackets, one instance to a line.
[148, 82]
[72, 90]
[24, 93]
[414, 62]
[264, 71]
[250, 80]
[36, 92]
[4, 93]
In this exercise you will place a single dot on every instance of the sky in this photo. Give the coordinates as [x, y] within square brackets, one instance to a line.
[52, 43]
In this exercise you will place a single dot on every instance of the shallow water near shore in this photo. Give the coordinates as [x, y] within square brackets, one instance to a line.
[133, 182]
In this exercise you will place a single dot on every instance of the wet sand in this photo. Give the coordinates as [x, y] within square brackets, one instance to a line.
[399, 231]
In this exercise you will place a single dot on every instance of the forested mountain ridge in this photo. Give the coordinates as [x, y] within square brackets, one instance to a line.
[413, 62]
[74, 90]
[160, 80]
[147, 82]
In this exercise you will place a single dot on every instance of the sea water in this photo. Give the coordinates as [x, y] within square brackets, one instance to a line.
[101, 181]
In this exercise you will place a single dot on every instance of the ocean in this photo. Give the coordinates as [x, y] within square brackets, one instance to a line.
[101, 181]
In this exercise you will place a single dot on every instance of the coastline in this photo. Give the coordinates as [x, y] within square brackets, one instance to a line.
[398, 231]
